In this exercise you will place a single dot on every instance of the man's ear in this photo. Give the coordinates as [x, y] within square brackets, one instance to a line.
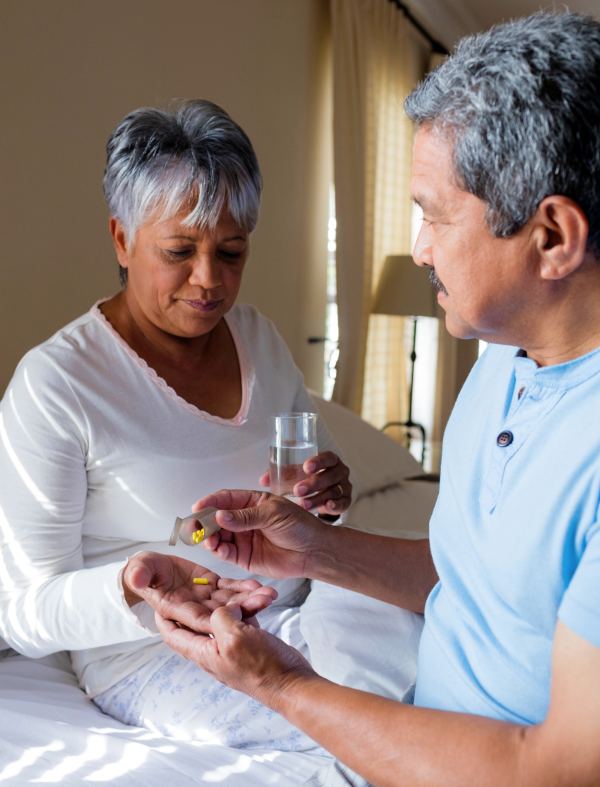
[119, 241]
[562, 232]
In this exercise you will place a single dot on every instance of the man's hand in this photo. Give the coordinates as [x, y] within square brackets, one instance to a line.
[263, 533]
[239, 655]
[166, 583]
[326, 489]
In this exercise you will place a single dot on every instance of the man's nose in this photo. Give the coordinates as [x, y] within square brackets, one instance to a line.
[422, 251]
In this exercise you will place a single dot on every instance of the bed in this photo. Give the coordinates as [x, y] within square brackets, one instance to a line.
[51, 733]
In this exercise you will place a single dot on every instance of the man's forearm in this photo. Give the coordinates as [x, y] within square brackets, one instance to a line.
[392, 744]
[399, 571]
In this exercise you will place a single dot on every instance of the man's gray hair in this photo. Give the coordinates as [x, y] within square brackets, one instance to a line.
[193, 158]
[521, 105]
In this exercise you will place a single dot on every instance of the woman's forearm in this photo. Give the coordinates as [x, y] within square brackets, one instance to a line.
[399, 571]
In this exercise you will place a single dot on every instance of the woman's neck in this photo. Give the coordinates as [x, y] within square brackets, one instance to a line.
[155, 345]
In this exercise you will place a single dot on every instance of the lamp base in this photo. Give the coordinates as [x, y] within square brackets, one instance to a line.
[410, 427]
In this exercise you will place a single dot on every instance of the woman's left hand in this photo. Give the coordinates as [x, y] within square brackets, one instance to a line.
[166, 583]
[326, 489]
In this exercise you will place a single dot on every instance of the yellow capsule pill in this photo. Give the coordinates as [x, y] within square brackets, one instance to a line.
[200, 581]
[198, 536]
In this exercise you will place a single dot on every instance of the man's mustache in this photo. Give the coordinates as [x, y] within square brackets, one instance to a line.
[437, 284]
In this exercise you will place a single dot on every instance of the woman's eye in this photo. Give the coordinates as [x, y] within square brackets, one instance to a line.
[231, 256]
[177, 254]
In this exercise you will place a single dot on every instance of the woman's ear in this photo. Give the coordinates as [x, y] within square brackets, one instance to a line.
[119, 241]
[562, 236]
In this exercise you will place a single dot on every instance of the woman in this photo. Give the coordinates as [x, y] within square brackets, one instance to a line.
[110, 427]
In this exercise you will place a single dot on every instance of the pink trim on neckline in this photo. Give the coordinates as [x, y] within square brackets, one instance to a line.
[247, 371]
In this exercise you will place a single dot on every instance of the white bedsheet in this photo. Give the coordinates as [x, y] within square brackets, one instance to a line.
[50, 733]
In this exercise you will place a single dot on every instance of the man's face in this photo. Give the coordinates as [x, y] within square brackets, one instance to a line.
[484, 283]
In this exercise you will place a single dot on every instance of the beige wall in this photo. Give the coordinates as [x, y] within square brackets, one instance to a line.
[72, 68]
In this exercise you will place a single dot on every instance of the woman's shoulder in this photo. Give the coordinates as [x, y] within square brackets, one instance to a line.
[259, 336]
[248, 316]
[255, 326]
[72, 347]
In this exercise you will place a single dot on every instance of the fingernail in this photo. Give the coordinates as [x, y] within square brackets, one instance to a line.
[306, 504]
[311, 467]
[331, 504]
[225, 516]
[302, 490]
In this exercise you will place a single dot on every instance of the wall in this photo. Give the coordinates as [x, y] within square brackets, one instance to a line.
[73, 68]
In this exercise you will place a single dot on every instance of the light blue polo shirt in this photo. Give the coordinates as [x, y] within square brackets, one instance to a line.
[515, 535]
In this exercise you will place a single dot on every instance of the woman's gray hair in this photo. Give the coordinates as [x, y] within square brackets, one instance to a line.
[193, 158]
[521, 105]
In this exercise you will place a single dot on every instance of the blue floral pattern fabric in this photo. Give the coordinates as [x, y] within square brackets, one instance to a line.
[172, 696]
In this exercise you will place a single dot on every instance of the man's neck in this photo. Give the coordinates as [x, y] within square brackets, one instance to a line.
[569, 326]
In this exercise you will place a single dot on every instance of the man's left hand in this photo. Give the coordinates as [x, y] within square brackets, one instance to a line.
[238, 654]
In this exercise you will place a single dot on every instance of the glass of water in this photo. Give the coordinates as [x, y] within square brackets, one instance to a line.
[293, 441]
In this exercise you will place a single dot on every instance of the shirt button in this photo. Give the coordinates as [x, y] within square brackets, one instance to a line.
[504, 438]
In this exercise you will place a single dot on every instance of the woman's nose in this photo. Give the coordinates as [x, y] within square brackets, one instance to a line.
[206, 272]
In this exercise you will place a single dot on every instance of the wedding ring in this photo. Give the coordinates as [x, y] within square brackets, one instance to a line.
[341, 488]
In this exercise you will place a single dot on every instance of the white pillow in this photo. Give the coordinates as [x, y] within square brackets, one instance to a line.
[374, 459]
[361, 642]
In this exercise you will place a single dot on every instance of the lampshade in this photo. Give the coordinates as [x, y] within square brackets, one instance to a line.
[404, 288]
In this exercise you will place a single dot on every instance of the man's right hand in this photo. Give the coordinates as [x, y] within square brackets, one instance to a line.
[263, 533]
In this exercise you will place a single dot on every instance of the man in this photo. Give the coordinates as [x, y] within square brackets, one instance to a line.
[507, 170]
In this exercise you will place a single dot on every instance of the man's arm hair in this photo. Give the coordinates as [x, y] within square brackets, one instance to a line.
[397, 570]
[392, 744]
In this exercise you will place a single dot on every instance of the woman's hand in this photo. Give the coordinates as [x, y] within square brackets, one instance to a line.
[166, 583]
[263, 533]
[326, 488]
[239, 655]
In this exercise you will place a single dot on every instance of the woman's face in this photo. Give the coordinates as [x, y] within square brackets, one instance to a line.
[180, 279]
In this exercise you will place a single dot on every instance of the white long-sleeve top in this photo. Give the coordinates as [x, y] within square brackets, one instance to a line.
[98, 455]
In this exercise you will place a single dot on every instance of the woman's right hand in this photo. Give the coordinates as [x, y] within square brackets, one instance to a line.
[166, 583]
[263, 533]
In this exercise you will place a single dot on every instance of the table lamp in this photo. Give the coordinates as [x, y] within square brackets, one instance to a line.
[404, 290]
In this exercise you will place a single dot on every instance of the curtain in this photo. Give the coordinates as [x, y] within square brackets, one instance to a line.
[377, 60]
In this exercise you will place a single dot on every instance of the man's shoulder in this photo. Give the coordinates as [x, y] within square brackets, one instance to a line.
[491, 370]
[495, 354]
